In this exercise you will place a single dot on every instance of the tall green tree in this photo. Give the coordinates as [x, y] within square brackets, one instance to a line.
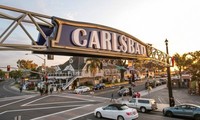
[15, 74]
[182, 62]
[195, 68]
[93, 66]
[2, 74]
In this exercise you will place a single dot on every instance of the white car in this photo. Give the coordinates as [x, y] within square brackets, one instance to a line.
[82, 89]
[142, 104]
[116, 112]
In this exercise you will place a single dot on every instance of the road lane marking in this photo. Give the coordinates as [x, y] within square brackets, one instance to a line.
[60, 112]
[14, 98]
[55, 103]
[178, 100]
[34, 101]
[81, 115]
[159, 99]
[75, 97]
[19, 110]
[16, 101]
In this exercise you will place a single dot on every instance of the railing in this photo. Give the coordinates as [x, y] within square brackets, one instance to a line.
[70, 82]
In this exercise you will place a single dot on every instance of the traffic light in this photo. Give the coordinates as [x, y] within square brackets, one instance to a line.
[8, 68]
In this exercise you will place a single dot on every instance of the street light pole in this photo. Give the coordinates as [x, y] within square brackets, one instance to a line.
[171, 98]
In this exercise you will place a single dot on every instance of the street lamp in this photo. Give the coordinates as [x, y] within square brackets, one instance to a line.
[171, 98]
[44, 63]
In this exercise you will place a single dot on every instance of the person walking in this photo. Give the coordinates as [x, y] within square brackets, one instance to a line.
[51, 90]
[112, 97]
[138, 95]
[172, 101]
[20, 88]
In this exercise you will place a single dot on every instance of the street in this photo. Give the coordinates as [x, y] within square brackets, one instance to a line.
[67, 105]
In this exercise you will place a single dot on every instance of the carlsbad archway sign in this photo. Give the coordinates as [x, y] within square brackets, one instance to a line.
[94, 40]
[63, 37]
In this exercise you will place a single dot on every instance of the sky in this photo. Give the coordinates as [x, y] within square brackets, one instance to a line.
[151, 21]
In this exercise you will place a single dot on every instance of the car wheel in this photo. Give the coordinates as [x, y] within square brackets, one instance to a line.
[169, 114]
[143, 109]
[120, 118]
[98, 115]
[197, 117]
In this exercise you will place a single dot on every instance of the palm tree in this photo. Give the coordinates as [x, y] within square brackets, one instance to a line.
[182, 62]
[122, 67]
[93, 66]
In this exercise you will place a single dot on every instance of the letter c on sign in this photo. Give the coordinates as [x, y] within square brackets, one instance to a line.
[75, 37]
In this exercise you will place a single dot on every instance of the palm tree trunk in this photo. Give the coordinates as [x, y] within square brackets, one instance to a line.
[122, 75]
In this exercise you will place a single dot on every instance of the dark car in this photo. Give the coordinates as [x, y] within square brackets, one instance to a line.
[184, 110]
[157, 82]
[99, 86]
[124, 92]
[163, 80]
[150, 84]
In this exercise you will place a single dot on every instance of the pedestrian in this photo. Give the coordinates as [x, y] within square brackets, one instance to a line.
[51, 90]
[92, 93]
[134, 95]
[20, 88]
[172, 102]
[41, 91]
[112, 97]
[138, 95]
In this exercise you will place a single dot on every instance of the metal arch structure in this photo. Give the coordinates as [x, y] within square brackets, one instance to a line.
[18, 17]
[21, 18]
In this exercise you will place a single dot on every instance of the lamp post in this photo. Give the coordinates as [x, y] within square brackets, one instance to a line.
[171, 98]
[44, 60]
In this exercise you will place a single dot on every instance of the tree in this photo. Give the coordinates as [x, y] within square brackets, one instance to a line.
[195, 68]
[2, 74]
[122, 64]
[26, 64]
[182, 62]
[16, 74]
[94, 64]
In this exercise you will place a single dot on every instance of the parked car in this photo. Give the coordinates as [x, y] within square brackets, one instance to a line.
[157, 83]
[99, 86]
[138, 78]
[82, 89]
[142, 104]
[116, 112]
[124, 91]
[183, 110]
[163, 80]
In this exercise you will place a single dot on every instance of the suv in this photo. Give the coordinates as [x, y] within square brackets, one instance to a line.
[142, 104]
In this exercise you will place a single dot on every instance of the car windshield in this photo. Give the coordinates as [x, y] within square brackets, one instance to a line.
[124, 107]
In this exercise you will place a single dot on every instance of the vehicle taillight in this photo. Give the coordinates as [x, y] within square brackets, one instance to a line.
[128, 113]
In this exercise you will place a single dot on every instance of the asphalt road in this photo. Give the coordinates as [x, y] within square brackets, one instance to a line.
[66, 105]
[7, 91]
